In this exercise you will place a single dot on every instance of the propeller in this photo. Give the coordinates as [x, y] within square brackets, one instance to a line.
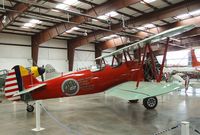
[41, 71]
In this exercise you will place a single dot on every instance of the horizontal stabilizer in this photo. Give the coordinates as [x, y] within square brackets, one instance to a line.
[128, 90]
[29, 89]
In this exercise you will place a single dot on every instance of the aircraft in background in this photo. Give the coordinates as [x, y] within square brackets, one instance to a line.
[124, 78]
[195, 62]
[3, 74]
[185, 73]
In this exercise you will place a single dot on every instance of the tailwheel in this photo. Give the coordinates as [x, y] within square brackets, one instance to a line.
[133, 101]
[150, 102]
[30, 108]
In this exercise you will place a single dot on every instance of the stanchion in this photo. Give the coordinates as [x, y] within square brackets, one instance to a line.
[37, 107]
[185, 128]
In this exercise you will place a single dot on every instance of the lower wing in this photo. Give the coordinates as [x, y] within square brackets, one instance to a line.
[128, 90]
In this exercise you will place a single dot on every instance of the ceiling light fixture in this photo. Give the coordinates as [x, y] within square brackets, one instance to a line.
[195, 13]
[109, 37]
[147, 1]
[75, 28]
[72, 29]
[150, 25]
[107, 15]
[4, 19]
[35, 21]
[29, 25]
[103, 17]
[85, 33]
[112, 14]
[183, 16]
[62, 6]
[140, 28]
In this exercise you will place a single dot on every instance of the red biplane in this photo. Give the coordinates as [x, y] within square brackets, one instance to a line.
[120, 79]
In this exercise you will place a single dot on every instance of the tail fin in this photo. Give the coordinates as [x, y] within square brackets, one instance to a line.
[13, 84]
[17, 79]
[195, 62]
[50, 72]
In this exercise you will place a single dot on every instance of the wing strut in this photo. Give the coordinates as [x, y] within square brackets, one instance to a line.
[152, 61]
[141, 66]
[163, 61]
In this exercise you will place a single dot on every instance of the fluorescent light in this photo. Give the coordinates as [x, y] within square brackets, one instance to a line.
[61, 6]
[70, 2]
[195, 13]
[147, 1]
[109, 37]
[29, 25]
[35, 21]
[141, 28]
[113, 36]
[183, 16]
[149, 25]
[107, 15]
[112, 14]
[72, 29]
[103, 17]
[75, 28]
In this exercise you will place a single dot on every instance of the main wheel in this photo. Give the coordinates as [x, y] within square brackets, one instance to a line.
[150, 103]
[30, 108]
[133, 101]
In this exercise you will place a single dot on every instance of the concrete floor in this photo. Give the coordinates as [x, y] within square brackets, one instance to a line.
[100, 115]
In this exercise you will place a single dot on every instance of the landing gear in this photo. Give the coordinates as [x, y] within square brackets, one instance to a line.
[133, 101]
[150, 103]
[30, 108]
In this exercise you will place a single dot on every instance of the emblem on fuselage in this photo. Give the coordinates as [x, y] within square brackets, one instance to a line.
[70, 87]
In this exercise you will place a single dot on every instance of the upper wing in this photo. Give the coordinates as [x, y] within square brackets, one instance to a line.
[128, 90]
[154, 38]
[29, 89]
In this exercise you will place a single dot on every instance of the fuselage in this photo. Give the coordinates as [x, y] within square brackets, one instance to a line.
[88, 82]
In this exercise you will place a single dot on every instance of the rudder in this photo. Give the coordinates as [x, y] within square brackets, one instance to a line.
[11, 86]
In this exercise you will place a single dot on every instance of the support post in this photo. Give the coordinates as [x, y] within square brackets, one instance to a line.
[70, 54]
[185, 128]
[37, 106]
[98, 53]
[141, 66]
[34, 52]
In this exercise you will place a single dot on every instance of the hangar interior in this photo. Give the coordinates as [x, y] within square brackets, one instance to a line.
[69, 35]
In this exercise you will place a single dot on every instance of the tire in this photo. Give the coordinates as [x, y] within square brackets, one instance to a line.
[150, 103]
[133, 101]
[30, 108]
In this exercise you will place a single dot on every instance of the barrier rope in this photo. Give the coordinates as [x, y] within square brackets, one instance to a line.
[58, 122]
[167, 130]
[195, 130]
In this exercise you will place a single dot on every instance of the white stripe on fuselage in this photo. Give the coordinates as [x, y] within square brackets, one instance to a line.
[11, 87]
[10, 82]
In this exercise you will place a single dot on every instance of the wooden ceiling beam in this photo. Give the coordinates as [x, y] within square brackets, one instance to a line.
[118, 42]
[159, 14]
[58, 29]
